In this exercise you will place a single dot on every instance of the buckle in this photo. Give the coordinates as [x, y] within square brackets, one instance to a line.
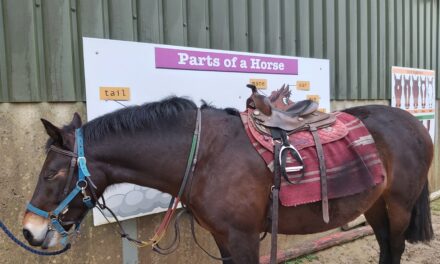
[78, 184]
[82, 160]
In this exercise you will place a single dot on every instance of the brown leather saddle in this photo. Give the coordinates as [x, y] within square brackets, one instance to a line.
[303, 115]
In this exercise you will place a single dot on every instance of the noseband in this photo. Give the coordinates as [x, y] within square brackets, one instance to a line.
[81, 185]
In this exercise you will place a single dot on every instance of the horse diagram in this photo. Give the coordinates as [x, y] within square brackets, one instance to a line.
[415, 93]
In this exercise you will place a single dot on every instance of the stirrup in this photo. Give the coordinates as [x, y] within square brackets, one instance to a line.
[294, 168]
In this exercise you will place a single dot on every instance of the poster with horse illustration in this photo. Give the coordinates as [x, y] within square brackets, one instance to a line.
[121, 73]
[414, 91]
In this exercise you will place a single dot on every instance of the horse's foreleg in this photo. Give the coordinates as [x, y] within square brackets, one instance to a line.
[222, 247]
[244, 247]
[378, 219]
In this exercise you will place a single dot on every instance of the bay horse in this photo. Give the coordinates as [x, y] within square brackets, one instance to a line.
[229, 192]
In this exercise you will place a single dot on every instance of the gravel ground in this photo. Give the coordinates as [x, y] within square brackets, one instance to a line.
[366, 250]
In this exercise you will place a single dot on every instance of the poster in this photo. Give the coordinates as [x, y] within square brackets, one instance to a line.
[413, 90]
[122, 73]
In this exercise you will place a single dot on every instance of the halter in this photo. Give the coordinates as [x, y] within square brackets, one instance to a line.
[80, 187]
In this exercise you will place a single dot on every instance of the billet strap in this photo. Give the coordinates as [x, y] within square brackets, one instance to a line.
[322, 173]
[275, 205]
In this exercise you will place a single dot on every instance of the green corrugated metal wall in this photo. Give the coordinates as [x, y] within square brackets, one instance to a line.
[40, 40]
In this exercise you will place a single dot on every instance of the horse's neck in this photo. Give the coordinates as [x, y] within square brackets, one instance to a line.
[155, 160]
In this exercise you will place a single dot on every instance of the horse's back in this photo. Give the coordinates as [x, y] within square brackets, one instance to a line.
[404, 144]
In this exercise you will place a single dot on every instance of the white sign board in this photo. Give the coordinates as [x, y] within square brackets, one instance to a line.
[121, 73]
[413, 90]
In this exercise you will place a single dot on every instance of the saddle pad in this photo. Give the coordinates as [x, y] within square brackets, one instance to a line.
[351, 158]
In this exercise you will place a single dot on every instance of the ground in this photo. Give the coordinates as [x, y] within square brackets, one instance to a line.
[366, 250]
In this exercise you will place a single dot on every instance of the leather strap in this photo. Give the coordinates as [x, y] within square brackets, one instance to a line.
[275, 204]
[322, 172]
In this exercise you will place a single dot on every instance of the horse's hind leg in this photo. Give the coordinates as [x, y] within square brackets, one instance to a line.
[389, 219]
[399, 218]
[378, 219]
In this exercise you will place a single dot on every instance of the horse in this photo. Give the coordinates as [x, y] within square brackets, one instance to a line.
[229, 192]
[430, 89]
[407, 91]
[423, 90]
[415, 91]
[398, 90]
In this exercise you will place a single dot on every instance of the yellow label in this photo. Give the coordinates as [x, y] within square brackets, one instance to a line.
[303, 85]
[259, 83]
[114, 93]
[314, 97]
[322, 110]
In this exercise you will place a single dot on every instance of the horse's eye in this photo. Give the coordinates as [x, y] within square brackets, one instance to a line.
[50, 175]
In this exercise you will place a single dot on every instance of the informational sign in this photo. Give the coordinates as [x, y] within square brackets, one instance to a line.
[121, 73]
[414, 91]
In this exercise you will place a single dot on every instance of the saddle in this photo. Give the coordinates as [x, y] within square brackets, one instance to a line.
[303, 115]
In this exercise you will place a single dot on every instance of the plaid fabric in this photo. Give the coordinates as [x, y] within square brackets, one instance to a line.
[351, 158]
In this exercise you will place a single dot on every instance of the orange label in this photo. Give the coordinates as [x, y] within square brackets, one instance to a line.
[303, 85]
[314, 97]
[259, 83]
[114, 93]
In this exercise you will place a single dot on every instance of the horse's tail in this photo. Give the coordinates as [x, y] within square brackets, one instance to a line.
[420, 226]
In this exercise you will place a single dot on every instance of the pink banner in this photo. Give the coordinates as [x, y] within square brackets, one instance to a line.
[169, 58]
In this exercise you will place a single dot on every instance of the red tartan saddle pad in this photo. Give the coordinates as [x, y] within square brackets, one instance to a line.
[351, 158]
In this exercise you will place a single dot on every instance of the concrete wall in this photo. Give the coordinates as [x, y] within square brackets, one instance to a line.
[22, 140]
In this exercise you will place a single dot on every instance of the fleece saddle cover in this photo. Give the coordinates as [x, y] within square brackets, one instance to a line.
[351, 158]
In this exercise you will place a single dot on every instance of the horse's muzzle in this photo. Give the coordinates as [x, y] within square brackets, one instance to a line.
[30, 238]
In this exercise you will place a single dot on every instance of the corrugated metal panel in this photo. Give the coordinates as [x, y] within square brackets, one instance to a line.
[41, 47]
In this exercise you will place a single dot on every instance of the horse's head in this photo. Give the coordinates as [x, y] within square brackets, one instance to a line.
[55, 207]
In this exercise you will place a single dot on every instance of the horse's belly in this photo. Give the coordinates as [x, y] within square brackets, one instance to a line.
[307, 219]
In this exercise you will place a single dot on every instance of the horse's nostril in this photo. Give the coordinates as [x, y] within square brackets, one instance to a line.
[28, 235]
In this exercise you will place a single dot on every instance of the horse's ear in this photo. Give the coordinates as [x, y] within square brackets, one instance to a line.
[53, 131]
[76, 121]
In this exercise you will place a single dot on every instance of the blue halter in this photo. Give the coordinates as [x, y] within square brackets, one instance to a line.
[81, 185]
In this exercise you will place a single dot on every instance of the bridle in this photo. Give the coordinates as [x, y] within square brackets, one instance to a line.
[83, 182]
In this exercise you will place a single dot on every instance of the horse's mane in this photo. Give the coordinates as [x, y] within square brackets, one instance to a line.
[149, 115]
[134, 118]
